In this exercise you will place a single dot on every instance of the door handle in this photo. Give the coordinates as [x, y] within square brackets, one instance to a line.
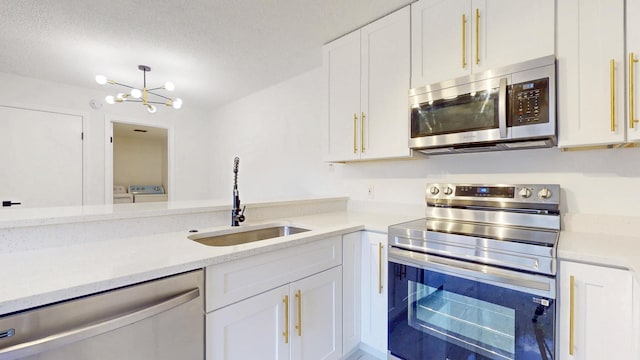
[572, 298]
[9, 203]
[464, 40]
[299, 326]
[286, 319]
[502, 108]
[362, 117]
[477, 36]
[632, 115]
[612, 75]
[380, 247]
[355, 126]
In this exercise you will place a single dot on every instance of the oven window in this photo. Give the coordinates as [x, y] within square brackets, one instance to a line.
[437, 316]
[466, 112]
[470, 323]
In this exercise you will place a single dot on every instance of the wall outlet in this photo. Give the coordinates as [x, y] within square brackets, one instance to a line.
[370, 192]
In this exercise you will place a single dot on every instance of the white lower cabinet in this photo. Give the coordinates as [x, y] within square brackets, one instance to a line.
[302, 320]
[374, 293]
[284, 304]
[596, 313]
[351, 297]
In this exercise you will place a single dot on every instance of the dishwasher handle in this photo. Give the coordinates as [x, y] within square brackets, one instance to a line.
[73, 335]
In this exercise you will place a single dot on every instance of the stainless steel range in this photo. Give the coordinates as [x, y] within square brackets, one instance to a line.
[475, 279]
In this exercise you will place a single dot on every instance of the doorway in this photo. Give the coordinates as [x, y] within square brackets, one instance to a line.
[137, 160]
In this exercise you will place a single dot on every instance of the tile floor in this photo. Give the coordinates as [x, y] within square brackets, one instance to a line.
[361, 355]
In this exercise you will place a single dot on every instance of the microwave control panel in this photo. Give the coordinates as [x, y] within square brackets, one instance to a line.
[529, 102]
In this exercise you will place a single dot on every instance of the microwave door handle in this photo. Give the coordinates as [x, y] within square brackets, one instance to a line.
[502, 108]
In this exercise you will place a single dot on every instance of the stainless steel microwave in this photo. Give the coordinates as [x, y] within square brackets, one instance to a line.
[513, 107]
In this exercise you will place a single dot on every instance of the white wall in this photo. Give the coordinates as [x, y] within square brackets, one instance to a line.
[277, 131]
[190, 128]
[138, 161]
[277, 135]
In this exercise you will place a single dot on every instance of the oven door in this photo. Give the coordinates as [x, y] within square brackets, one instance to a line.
[467, 113]
[440, 308]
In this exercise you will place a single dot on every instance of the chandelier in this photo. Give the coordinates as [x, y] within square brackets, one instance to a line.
[147, 97]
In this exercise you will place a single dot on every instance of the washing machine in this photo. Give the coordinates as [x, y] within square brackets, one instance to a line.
[121, 196]
[147, 193]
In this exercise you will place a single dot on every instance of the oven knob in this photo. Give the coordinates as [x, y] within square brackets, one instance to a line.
[525, 193]
[448, 191]
[544, 193]
[434, 190]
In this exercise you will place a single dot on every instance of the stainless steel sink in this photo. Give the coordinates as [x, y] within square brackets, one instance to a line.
[241, 235]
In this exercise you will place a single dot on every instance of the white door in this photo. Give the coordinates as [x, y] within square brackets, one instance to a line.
[374, 291]
[386, 68]
[316, 319]
[440, 41]
[41, 157]
[251, 329]
[342, 71]
[591, 68]
[602, 312]
[511, 31]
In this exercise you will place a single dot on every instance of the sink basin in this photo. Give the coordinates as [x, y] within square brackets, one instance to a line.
[245, 235]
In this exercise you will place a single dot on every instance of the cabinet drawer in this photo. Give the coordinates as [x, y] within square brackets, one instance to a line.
[232, 281]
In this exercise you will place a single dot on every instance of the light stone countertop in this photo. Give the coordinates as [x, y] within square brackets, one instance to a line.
[38, 277]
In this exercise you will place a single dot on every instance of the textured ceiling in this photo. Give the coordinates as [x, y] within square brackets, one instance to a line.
[215, 51]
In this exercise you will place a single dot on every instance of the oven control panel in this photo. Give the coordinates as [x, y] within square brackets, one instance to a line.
[525, 195]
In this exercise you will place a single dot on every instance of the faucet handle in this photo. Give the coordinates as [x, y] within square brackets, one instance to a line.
[241, 217]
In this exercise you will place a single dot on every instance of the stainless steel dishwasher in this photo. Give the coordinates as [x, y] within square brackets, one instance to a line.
[159, 319]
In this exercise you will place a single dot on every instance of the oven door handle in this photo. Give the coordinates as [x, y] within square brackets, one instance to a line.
[502, 108]
[529, 283]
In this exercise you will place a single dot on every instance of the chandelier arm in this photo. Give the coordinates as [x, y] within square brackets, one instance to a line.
[156, 102]
[156, 88]
[162, 96]
[127, 86]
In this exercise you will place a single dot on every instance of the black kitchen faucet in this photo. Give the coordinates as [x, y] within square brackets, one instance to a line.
[237, 214]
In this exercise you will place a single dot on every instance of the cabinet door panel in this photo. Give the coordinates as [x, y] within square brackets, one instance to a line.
[351, 260]
[385, 84]
[374, 291]
[633, 46]
[511, 31]
[250, 329]
[342, 71]
[318, 313]
[602, 309]
[590, 35]
[437, 51]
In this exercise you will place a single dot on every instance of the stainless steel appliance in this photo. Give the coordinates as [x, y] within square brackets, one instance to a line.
[509, 108]
[475, 279]
[160, 319]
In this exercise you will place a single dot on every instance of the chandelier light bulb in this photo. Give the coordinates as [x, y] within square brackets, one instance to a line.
[136, 93]
[101, 79]
[177, 103]
[151, 109]
[110, 100]
[121, 97]
[169, 86]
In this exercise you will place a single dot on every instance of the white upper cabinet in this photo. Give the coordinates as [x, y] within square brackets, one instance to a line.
[633, 80]
[454, 38]
[367, 74]
[591, 69]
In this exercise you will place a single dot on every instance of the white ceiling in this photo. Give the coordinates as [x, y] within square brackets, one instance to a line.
[215, 51]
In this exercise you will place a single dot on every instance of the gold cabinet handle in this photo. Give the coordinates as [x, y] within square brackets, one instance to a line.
[380, 247]
[632, 116]
[286, 319]
[612, 75]
[464, 40]
[362, 117]
[572, 298]
[355, 125]
[299, 325]
[477, 36]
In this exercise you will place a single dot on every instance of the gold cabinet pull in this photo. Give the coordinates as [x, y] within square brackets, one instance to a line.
[612, 75]
[362, 117]
[380, 247]
[286, 319]
[632, 108]
[355, 139]
[572, 299]
[464, 40]
[299, 326]
[477, 36]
